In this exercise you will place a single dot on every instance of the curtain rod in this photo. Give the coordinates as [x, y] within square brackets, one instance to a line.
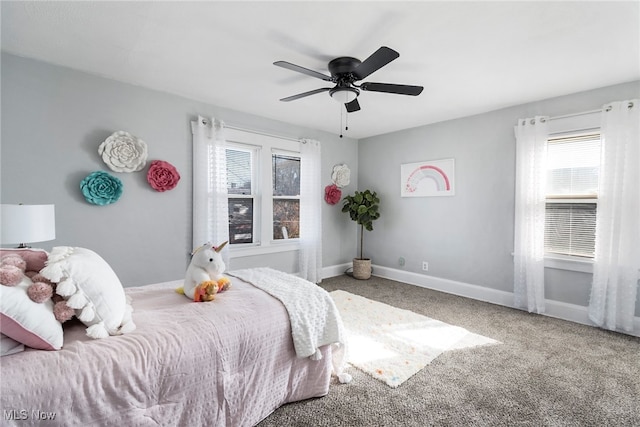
[584, 113]
[257, 132]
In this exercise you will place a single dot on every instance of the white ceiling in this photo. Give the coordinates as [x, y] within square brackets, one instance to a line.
[471, 57]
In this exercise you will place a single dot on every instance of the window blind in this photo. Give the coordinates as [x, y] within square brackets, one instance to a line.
[238, 171]
[573, 166]
[570, 229]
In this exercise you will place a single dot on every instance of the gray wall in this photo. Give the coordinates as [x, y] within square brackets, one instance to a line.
[54, 119]
[467, 237]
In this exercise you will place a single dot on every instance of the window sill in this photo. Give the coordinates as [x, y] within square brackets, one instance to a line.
[560, 262]
[253, 250]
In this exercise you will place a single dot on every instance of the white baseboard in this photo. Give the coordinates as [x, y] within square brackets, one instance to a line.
[335, 270]
[561, 310]
[476, 292]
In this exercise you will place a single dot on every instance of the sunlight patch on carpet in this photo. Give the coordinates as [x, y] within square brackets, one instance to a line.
[392, 344]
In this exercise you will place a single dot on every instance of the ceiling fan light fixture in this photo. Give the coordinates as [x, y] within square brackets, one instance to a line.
[345, 72]
[344, 95]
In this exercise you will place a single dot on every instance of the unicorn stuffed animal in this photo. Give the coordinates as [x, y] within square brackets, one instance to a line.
[206, 266]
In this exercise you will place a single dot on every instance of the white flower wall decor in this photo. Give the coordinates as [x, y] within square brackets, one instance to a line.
[341, 175]
[123, 152]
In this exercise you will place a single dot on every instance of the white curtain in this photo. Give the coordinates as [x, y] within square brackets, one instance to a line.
[531, 153]
[210, 207]
[310, 211]
[617, 257]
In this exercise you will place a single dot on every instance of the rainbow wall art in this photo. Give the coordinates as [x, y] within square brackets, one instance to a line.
[425, 179]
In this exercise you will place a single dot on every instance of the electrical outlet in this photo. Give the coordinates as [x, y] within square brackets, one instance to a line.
[425, 266]
[401, 262]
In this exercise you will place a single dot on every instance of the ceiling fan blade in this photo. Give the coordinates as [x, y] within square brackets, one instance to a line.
[391, 88]
[303, 94]
[352, 106]
[377, 60]
[299, 69]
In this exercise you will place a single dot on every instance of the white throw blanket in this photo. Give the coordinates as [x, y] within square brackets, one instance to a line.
[315, 320]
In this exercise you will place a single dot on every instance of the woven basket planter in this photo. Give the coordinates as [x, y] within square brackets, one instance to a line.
[361, 268]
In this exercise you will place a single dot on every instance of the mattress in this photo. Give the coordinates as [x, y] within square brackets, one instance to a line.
[229, 362]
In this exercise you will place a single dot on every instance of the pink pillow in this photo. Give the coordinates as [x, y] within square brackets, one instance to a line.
[35, 258]
[26, 321]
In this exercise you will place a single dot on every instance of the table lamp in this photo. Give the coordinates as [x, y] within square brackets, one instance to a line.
[27, 224]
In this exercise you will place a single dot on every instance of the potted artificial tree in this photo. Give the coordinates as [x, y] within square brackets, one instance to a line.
[363, 209]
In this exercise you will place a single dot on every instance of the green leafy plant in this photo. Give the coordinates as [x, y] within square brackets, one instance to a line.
[363, 209]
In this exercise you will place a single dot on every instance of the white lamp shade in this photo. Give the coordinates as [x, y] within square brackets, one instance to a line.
[27, 223]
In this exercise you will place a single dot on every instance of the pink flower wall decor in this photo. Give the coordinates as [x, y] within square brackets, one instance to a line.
[162, 176]
[332, 194]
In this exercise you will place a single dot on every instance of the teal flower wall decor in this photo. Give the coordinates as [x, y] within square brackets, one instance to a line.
[100, 188]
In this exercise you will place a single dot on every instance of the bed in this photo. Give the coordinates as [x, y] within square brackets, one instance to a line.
[229, 362]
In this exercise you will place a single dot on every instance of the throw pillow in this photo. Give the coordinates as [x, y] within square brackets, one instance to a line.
[28, 322]
[92, 288]
[35, 258]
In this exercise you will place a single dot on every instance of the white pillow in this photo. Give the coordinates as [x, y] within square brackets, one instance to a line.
[26, 321]
[92, 288]
[9, 346]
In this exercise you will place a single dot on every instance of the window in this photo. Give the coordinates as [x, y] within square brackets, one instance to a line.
[263, 190]
[573, 163]
[240, 194]
[286, 196]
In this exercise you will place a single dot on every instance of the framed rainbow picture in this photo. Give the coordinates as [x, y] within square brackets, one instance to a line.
[427, 179]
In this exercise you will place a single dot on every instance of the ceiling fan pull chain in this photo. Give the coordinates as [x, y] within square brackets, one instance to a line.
[340, 120]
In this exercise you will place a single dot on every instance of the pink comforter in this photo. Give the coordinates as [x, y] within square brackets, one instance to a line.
[230, 362]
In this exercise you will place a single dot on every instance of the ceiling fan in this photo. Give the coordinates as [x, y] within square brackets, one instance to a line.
[345, 72]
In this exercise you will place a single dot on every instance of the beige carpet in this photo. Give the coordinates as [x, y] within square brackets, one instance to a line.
[392, 344]
[546, 372]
